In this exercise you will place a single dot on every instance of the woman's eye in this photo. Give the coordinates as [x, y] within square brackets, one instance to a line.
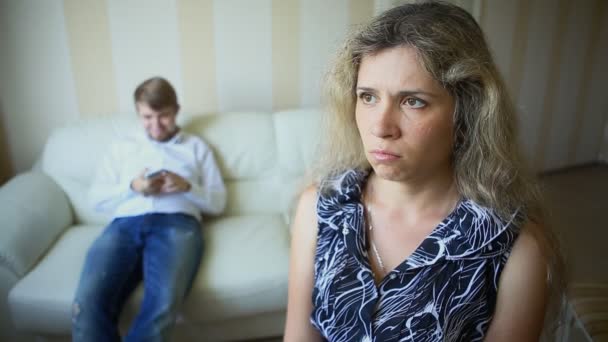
[415, 103]
[368, 98]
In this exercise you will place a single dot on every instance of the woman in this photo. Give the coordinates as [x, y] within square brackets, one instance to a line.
[422, 225]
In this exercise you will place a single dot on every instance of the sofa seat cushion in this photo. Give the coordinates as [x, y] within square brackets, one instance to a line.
[243, 272]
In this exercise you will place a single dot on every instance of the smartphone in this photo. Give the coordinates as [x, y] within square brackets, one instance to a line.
[155, 174]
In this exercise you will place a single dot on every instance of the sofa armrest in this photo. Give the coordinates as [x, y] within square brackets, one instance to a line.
[34, 211]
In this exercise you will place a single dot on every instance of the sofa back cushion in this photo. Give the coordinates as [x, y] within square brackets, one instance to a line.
[262, 156]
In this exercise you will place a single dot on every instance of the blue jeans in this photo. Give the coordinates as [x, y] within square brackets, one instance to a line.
[163, 250]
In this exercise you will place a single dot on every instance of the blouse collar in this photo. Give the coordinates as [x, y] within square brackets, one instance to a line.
[470, 231]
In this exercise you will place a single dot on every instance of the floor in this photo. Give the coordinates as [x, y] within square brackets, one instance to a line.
[578, 203]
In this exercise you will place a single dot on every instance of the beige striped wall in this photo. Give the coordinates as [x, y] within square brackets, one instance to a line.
[62, 60]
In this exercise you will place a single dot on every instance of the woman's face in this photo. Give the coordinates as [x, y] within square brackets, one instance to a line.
[404, 116]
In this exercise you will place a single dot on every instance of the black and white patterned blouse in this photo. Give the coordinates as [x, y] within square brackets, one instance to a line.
[445, 291]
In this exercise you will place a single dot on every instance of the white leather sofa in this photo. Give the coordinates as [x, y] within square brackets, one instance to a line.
[46, 227]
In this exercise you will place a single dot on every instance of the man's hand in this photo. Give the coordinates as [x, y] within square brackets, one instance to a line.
[174, 183]
[147, 187]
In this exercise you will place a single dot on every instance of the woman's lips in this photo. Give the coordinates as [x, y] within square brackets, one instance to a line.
[384, 156]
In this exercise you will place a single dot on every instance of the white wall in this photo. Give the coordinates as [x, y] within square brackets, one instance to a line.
[36, 87]
[62, 60]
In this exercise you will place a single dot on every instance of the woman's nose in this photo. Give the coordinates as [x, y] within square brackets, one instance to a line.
[386, 125]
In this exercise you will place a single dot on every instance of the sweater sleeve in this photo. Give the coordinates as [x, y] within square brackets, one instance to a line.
[108, 190]
[208, 193]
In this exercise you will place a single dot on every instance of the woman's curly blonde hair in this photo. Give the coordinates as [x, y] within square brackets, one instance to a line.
[488, 165]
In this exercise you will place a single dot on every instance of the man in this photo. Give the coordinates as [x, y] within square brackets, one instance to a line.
[156, 184]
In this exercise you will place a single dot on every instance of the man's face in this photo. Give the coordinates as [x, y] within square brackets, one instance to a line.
[159, 124]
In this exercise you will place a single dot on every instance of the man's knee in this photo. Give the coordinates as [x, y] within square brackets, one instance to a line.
[187, 250]
[186, 236]
[82, 316]
[92, 322]
[75, 310]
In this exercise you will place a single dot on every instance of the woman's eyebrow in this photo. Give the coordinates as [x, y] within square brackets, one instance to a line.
[416, 92]
[371, 90]
[402, 92]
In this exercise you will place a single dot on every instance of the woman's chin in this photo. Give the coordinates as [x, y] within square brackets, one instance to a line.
[389, 172]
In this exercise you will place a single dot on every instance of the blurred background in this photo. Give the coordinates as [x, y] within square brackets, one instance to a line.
[62, 60]
[67, 60]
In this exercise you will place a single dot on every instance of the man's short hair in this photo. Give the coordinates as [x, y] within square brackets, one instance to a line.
[157, 93]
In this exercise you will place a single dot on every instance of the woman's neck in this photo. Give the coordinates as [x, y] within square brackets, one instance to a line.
[434, 194]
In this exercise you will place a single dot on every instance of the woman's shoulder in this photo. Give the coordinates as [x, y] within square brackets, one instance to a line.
[480, 231]
[342, 187]
[305, 215]
[490, 218]
[308, 196]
